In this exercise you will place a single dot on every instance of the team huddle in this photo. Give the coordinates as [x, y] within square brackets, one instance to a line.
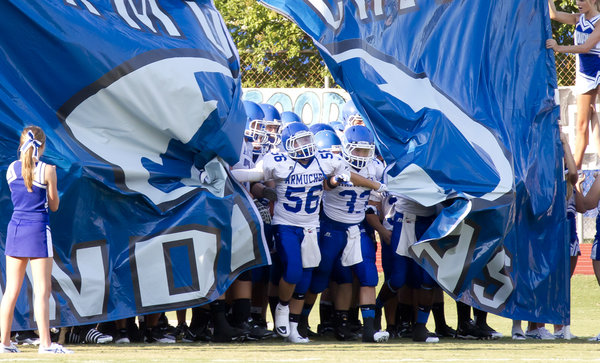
[322, 201]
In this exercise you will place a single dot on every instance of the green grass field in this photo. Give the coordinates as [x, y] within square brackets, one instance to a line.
[585, 323]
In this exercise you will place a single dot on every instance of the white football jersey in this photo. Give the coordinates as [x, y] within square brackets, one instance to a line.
[300, 187]
[346, 203]
[245, 157]
[245, 160]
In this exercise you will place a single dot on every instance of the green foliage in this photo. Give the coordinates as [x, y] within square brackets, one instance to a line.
[563, 33]
[274, 52]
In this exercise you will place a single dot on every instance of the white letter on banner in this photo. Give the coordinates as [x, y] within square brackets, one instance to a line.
[87, 5]
[361, 6]
[160, 101]
[155, 269]
[88, 299]
[497, 273]
[242, 245]
[214, 29]
[407, 4]
[325, 12]
[149, 8]
[450, 264]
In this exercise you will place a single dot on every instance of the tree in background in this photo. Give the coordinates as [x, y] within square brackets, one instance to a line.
[563, 33]
[274, 52]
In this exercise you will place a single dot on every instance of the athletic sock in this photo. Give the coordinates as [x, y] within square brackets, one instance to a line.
[284, 303]
[240, 311]
[438, 315]
[480, 316]
[368, 315]
[326, 311]
[218, 309]
[353, 315]
[463, 313]
[423, 314]
[256, 313]
[404, 314]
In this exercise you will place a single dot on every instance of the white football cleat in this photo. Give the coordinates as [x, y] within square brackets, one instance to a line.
[282, 320]
[294, 336]
[381, 336]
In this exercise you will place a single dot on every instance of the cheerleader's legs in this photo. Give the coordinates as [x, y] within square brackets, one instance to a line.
[15, 272]
[41, 269]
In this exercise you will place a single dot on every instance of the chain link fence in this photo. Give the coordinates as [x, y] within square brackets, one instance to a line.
[565, 69]
[309, 71]
[278, 71]
[588, 229]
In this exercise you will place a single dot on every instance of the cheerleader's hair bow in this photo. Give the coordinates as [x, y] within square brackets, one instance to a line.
[31, 142]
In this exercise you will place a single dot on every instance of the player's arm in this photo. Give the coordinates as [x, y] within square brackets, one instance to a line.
[51, 189]
[263, 170]
[342, 173]
[561, 16]
[590, 43]
[374, 221]
[261, 190]
[248, 175]
[361, 181]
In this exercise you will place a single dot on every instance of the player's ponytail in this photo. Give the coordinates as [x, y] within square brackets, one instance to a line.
[32, 139]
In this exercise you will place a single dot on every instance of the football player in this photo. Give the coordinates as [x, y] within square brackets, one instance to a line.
[405, 274]
[327, 140]
[345, 248]
[299, 174]
[351, 115]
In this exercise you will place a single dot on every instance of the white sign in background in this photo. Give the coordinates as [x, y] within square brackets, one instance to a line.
[313, 105]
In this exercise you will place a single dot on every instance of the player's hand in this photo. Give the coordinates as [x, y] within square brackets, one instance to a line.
[551, 44]
[345, 178]
[383, 190]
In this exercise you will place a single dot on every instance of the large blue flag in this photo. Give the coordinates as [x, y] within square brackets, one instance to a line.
[460, 97]
[141, 103]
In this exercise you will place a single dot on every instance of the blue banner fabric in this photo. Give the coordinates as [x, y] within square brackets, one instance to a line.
[141, 104]
[460, 96]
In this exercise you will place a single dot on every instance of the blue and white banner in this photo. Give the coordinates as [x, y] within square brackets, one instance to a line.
[137, 100]
[460, 97]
